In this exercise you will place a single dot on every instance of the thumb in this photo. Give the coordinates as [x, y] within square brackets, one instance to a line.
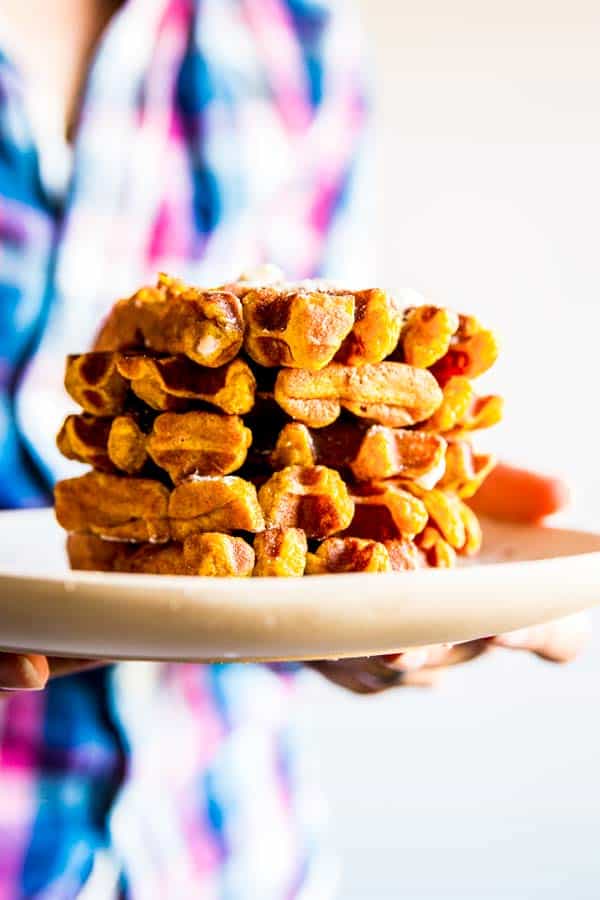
[517, 495]
[559, 641]
[23, 672]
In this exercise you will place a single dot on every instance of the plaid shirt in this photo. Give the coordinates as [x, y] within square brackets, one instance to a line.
[213, 136]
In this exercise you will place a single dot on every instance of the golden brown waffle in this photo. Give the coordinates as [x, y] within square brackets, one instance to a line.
[93, 381]
[141, 509]
[218, 555]
[456, 522]
[465, 471]
[305, 417]
[426, 335]
[462, 411]
[170, 383]
[307, 327]
[114, 507]
[85, 438]
[436, 337]
[472, 351]
[127, 445]
[370, 453]
[277, 553]
[89, 553]
[280, 552]
[385, 511]
[104, 443]
[404, 555]
[437, 552]
[313, 498]
[214, 503]
[183, 444]
[376, 329]
[299, 328]
[100, 383]
[392, 394]
[201, 554]
[152, 559]
[198, 443]
[206, 326]
[351, 554]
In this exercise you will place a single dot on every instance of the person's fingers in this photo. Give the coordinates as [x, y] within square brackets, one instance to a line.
[415, 658]
[463, 653]
[560, 641]
[31, 671]
[361, 676]
[416, 667]
[517, 495]
[63, 666]
[436, 656]
[23, 672]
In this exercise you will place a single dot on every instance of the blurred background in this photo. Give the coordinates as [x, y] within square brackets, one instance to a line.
[488, 196]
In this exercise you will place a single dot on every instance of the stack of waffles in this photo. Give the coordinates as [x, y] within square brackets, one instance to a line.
[274, 429]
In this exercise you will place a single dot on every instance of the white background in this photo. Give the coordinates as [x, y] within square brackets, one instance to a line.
[489, 200]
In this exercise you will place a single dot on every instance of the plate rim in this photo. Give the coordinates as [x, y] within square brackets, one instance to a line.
[229, 611]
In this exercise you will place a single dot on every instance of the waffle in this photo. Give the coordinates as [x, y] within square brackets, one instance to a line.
[308, 329]
[103, 383]
[386, 511]
[455, 521]
[198, 443]
[426, 335]
[95, 384]
[313, 498]
[214, 503]
[368, 453]
[352, 554]
[172, 318]
[437, 552]
[462, 411]
[114, 507]
[172, 382]
[300, 328]
[280, 552]
[85, 438]
[182, 444]
[464, 470]
[276, 430]
[127, 509]
[472, 351]
[200, 554]
[126, 445]
[389, 393]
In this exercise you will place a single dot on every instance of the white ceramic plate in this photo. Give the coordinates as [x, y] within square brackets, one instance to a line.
[526, 575]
